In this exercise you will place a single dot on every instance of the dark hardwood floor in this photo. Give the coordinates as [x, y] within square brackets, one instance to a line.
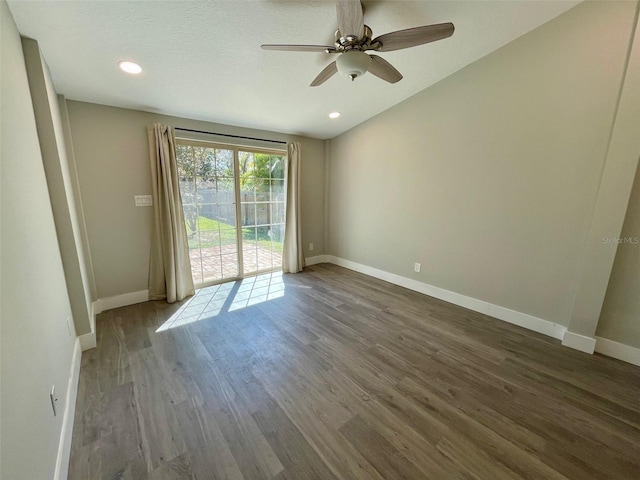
[332, 374]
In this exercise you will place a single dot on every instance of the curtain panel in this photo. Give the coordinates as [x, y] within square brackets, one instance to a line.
[293, 257]
[169, 266]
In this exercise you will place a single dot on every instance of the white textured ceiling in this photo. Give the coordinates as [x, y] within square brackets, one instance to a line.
[202, 59]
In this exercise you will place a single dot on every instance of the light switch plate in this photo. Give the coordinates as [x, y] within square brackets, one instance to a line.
[143, 200]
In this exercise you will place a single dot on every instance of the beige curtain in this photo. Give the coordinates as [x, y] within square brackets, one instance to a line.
[169, 267]
[293, 257]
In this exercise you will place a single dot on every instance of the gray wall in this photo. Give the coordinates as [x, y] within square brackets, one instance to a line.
[489, 178]
[614, 195]
[36, 347]
[620, 317]
[69, 224]
[112, 160]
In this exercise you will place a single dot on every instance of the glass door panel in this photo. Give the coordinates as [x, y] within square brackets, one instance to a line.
[261, 181]
[207, 186]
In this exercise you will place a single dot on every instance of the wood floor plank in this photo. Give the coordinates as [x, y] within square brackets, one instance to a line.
[362, 370]
[343, 376]
[475, 460]
[287, 321]
[177, 469]
[85, 461]
[284, 381]
[564, 415]
[388, 461]
[209, 452]
[113, 357]
[536, 413]
[253, 453]
[418, 446]
[88, 412]
[156, 392]
[343, 459]
[489, 415]
[464, 429]
[299, 459]
[116, 437]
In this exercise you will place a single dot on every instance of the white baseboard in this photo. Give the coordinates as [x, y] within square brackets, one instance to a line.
[579, 342]
[618, 350]
[502, 313]
[64, 446]
[118, 301]
[88, 341]
[315, 260]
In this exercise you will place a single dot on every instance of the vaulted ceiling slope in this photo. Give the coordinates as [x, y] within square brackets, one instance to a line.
[202, 59]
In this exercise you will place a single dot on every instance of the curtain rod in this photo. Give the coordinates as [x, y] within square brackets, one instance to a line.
[228, 135]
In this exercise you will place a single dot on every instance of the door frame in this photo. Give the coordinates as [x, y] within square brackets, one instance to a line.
[236, 148]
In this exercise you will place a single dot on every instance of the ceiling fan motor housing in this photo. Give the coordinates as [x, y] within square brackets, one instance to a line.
[353, 63]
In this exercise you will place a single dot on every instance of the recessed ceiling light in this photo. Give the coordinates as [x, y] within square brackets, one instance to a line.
[130, 67]
[334, 114]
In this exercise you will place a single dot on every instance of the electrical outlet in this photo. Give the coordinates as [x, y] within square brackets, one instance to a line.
[416, 267]
[54, 399]
[310, 246]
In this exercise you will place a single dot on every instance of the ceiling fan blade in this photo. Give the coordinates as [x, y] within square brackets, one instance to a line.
[350, 18]
[328, 72]
[412, 37]
[384, 70]
[299, 48]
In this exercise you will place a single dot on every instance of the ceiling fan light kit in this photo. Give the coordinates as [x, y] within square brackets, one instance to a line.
[353, 63]
[354, 39]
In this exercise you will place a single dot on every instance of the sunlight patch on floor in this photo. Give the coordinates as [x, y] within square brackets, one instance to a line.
[210, 301]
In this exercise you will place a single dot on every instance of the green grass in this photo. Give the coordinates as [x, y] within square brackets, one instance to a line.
[214, 233]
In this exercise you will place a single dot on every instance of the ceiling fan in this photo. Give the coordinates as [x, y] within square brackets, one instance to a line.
[354, 38]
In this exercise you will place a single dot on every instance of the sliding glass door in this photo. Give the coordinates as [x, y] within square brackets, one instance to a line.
[262, 210]
[233, 201]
